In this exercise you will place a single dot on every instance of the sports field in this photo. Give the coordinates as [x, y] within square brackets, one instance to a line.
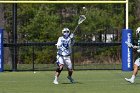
[93, 81]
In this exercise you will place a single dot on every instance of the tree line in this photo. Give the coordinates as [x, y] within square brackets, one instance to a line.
[44, 23]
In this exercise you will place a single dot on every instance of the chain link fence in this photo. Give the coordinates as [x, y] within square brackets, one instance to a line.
[85, 56]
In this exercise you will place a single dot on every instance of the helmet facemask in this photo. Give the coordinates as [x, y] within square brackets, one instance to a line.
[66, 32]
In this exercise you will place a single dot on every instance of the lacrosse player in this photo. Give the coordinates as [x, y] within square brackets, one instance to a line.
[64, 45]
[137, 61]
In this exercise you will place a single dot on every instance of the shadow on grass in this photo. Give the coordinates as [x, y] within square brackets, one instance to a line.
[73, 83]
[136, 83]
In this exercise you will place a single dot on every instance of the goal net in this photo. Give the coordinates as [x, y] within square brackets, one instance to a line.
[40, 24]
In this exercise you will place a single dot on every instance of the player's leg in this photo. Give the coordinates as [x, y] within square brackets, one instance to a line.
[69, 68]
[59, 69]
[70, 72]
[135, 71]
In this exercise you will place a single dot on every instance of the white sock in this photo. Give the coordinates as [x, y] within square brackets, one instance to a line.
[133, 77]
[56, 78]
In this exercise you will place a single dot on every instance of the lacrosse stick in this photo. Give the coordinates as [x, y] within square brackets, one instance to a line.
[81, 19]
[129, 44]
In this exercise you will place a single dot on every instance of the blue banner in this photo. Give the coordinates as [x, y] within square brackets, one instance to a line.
[127, 57]
[1, 50]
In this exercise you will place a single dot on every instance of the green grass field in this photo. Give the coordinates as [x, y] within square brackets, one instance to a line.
[94, 81]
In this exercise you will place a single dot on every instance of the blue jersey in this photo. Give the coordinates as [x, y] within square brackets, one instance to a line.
[64, 46]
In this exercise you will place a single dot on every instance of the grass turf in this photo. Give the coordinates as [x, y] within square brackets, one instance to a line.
[93, 81]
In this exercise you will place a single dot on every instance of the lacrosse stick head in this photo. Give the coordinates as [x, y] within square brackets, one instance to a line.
[81, 19]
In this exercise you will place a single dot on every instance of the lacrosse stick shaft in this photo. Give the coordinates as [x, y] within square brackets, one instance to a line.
[75, 28]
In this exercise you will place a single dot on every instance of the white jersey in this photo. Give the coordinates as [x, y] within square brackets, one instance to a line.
[64, 46]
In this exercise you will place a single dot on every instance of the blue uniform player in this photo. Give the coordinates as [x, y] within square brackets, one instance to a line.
[64, 46]
[137, 61]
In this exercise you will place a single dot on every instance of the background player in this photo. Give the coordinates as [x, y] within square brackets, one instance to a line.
[137, 62]
[64, 46]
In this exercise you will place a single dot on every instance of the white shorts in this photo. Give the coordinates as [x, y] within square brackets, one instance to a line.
[64, 60]
[137, 62]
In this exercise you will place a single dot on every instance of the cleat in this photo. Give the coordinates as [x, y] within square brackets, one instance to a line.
[129, 80]
[55, 82]
[70, 79]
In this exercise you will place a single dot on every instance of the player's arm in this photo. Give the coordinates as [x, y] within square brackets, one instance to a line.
[59, 43]
[136, 47]
[72, 39]
[130, 45]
